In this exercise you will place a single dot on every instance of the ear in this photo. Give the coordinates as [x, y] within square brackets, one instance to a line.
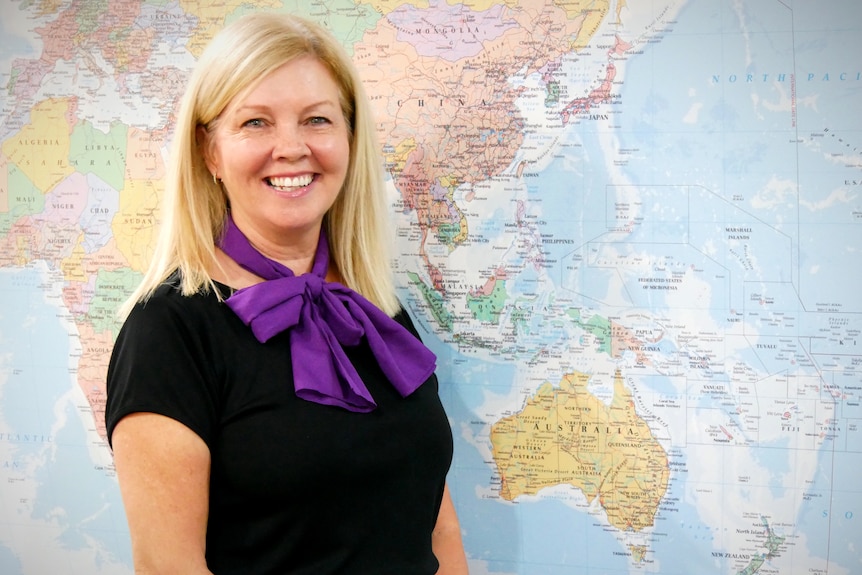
[205, 145]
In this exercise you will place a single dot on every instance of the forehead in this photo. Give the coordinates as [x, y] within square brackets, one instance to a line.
[295, 81]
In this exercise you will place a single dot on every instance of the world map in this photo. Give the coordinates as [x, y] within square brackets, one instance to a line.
[631, 232]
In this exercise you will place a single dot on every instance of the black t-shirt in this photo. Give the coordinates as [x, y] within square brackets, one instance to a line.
[296, 487]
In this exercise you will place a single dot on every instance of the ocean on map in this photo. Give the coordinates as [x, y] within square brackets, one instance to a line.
[660, 81]
[56, 506]
[533, 535]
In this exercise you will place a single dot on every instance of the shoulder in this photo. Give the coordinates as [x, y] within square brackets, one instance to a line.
[406, 321]
[168, 359]
[167, 312]
[403, 318]
[169, 296]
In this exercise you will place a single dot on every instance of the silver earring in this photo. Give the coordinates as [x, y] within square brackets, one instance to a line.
[215, 179]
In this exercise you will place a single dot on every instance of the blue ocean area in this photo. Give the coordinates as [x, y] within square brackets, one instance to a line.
[533, 535]
[35, 360]
[78, 504]
[833, 519]
[569, 195]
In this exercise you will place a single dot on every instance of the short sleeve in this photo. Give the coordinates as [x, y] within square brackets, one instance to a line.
[161, 364]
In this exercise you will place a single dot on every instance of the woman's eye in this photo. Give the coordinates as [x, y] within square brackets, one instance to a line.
[253, 123]
[318, 120]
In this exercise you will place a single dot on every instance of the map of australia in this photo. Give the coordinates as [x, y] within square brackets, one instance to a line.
[566, 435]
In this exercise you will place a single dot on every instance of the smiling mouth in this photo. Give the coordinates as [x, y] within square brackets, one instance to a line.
[288, 184]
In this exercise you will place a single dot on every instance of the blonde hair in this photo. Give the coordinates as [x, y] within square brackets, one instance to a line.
[195, 207]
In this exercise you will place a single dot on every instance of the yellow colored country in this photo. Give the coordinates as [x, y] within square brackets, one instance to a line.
[4, 184]
[134, 225]
[565, 435]
[41, 149]
[399, 157]
[211, 18]
[387, 6]
[594, 12]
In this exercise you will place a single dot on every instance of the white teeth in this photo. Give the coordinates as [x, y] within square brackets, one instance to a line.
[297, 182]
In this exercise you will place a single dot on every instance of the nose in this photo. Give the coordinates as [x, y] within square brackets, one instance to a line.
[289, 143]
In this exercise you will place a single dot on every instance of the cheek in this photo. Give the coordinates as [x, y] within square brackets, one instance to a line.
[243, 156]
[335, 154]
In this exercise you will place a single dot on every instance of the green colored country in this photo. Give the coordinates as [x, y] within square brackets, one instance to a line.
[773, 547]
[13, 80]
[112, 289]
[489, 307]
[348, 20]
[435, 302]
[552, 96]
[520, 318]
[93, 151]
[753, 567]
[600, 328]
[24, 199]
[89, 14]
[449, 234]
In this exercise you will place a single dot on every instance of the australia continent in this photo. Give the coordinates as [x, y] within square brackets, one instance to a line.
[567, 435]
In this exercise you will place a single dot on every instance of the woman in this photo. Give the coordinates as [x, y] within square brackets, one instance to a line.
[264, 416]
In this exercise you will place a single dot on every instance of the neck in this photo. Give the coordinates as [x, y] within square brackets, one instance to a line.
[231, 274]
[294, 250]
[244, 263]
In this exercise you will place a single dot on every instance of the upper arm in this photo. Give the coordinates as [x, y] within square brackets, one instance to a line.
[446, 539]
[163, 469]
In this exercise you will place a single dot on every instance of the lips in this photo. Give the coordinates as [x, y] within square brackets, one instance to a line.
[286, 184]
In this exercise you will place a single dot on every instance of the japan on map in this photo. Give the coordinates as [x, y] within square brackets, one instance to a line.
[630, 230]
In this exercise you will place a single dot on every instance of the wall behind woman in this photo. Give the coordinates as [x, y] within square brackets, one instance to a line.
[629, 231]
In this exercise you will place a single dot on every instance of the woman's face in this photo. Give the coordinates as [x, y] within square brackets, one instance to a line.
[282, 151]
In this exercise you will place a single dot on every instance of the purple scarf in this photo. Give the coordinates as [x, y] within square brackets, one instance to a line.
[322, 318]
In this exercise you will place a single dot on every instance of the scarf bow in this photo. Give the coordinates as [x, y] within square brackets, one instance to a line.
[322, 318]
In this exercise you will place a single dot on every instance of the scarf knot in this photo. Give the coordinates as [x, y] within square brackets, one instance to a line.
[321, 319]
[313, 287]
